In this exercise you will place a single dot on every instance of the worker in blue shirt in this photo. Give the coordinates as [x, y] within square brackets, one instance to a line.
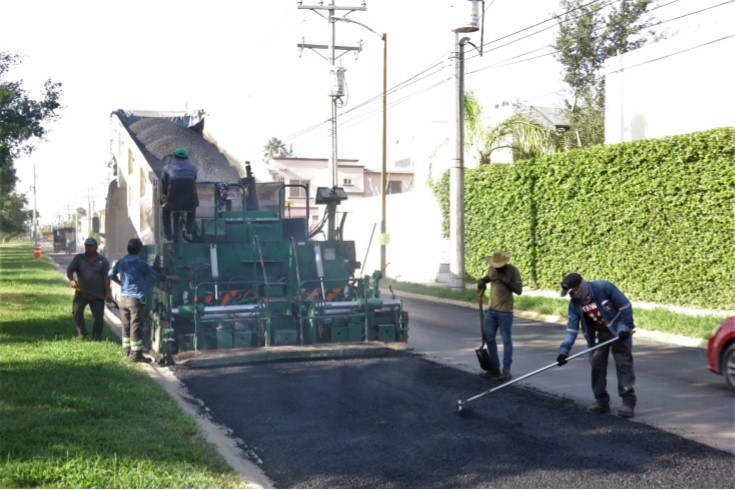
[132, 273]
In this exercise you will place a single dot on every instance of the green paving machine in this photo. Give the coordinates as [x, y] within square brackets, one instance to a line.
[254, 286]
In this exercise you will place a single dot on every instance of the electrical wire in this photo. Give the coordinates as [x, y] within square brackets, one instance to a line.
[440, 67]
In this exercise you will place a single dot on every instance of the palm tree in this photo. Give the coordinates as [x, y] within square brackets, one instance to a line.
[275, 148]
[524, 136]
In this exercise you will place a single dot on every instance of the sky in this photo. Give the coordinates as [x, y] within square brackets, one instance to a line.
[240, 63]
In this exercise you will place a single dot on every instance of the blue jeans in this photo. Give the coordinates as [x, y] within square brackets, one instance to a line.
[503, 321]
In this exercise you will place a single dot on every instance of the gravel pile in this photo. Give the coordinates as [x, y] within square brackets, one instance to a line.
[158, 138]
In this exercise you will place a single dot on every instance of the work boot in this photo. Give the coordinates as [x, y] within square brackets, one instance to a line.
[626, 411]
[506, 375]
[493, 373]
[138, 356]
[126, 351]
[598, 408]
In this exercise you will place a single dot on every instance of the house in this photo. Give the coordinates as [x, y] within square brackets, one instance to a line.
[357, 181]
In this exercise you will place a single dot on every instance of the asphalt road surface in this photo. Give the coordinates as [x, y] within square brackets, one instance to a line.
[392, 422]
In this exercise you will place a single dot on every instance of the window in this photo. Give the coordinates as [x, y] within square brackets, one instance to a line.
[346, 181]
[130, 161]
[298, 191]
[394, 187]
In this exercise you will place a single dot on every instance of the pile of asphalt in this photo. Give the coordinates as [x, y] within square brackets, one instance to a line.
[160, 137]
[392, 422]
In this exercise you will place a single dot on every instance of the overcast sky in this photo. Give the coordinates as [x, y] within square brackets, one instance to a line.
[239, 62]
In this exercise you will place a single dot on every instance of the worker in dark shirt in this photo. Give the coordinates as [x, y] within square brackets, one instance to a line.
[179, 194]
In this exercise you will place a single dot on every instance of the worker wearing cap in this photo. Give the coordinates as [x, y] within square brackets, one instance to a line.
[603, 312]
[87, 274]
[505, 280]
[179, 197]
[132, 273]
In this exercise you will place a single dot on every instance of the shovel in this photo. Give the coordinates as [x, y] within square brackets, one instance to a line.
[482, 355]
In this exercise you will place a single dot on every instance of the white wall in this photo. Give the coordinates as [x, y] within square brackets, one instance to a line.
[675, 86]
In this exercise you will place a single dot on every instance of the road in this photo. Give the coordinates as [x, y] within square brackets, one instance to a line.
[675, 390]
[392, 422]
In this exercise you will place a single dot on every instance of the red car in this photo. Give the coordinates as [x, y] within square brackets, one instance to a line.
[721, 351]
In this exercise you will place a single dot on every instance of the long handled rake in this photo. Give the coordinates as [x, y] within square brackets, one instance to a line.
[462, 403]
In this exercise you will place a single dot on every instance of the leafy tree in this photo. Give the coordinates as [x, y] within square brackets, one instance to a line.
[21, 119]
[591, 32]
[14, 218]
[275, 148]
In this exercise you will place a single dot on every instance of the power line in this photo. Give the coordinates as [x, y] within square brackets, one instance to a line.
[440, 67]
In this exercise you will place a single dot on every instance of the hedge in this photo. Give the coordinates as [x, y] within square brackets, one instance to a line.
[656, 217]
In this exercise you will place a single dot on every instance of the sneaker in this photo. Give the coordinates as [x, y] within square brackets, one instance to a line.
[598, 408]
[626, 411]
[138, 356]
[492, 374]
[506, 375]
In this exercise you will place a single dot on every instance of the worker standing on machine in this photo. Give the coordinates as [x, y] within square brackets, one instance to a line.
[179, 194]
[134, 273]
[505, 279]
[603, 313]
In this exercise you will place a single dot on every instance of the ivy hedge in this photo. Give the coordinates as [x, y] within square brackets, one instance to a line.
[656, 217]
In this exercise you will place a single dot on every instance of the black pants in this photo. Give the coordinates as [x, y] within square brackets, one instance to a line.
[132, 314]
[188, 217]
[623, 366]
[96, 306]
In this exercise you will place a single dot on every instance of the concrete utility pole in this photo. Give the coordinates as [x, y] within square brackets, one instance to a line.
[35, 218]
[332, 197]
[456, 171]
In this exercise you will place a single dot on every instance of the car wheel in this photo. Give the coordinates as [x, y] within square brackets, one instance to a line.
[728, 367]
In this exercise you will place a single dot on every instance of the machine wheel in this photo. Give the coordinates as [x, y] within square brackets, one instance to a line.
[728, 367]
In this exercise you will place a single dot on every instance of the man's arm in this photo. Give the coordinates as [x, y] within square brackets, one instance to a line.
[70, 275]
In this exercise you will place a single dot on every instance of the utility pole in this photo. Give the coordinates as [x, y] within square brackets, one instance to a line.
[35, 218]
[456, 171]
[332, 197]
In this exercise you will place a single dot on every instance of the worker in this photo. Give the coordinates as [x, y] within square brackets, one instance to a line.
[603, 312]
[505, 280]
[179, 197]
[132, 273]
[87, 274]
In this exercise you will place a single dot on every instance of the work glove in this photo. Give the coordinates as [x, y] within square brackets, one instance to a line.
[561, 359]
[623, 334]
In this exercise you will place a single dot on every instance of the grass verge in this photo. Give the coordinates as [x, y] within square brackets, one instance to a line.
[658, 319]
[76, 414]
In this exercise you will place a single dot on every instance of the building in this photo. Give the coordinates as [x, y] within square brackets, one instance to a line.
[357, 181]
[676, 86]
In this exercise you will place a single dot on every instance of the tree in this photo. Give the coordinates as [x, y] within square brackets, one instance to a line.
[589, 33]
[21, 119]
[521, 134]
[275, 148]
[14, 218]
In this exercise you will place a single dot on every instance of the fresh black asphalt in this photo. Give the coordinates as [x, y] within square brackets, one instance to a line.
[392, 422]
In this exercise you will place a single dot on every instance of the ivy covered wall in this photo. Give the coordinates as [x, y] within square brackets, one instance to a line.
[656, 217]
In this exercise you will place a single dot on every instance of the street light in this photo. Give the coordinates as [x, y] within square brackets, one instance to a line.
[383, 170]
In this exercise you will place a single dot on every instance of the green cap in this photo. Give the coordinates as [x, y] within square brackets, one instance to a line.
[181, 152]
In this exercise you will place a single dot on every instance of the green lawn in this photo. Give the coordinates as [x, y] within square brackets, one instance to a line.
[77, 414]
